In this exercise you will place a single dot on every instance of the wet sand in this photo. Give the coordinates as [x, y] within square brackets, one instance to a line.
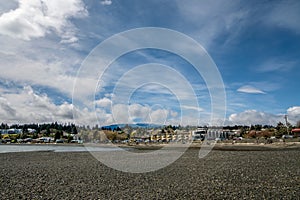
[229, 172]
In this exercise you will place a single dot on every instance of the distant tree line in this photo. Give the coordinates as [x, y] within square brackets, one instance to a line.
[46, 127]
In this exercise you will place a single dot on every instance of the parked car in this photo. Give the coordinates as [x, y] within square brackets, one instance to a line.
[125, 141]
[20, 140]
[6, 141]
[59, 141]
[287, 136]
[238, 138]
[26, 140]
[77, 141]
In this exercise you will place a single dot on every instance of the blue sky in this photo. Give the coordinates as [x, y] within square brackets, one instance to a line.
[254, 44]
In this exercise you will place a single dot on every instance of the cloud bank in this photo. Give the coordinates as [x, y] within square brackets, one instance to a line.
[36, 18]
[252, 117]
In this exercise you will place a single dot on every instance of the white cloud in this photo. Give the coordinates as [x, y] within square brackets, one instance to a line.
[159, 116]
[293, 114]
[106, 2]
[252, 117]
[32, 72]
[26, 106]
[36, 18]
[65, 111]
[295, 110]
[138, 111]
[70, 39]
[104, 102]
[250, 89]
[133, 113]
[192, 108]
[122, 113]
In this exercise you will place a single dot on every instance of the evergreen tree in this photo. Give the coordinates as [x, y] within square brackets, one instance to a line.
[281, 129]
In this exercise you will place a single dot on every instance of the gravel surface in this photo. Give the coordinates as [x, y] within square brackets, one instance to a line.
[229, 174]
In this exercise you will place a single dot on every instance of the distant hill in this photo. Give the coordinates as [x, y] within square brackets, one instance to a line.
[137, 125]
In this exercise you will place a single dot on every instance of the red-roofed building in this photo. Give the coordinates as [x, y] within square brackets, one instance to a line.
[296, 132]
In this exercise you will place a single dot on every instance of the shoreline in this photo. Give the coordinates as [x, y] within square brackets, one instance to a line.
[220, 146]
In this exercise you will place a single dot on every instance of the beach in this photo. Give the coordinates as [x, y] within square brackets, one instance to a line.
[230, 172]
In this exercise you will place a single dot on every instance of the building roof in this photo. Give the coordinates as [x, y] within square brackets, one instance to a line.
[296, 130]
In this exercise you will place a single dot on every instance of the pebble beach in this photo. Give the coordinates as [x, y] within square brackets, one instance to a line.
[226, 173]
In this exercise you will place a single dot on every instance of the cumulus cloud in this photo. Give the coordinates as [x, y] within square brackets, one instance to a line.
[134, 113]
[295, 110]
[250, 117]
[26, 106]
[293, 114]
[110, 113]
[52, 75]
[36, 18]
[138, 111]
[104, 102]
[250, 89]
[159, 116]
